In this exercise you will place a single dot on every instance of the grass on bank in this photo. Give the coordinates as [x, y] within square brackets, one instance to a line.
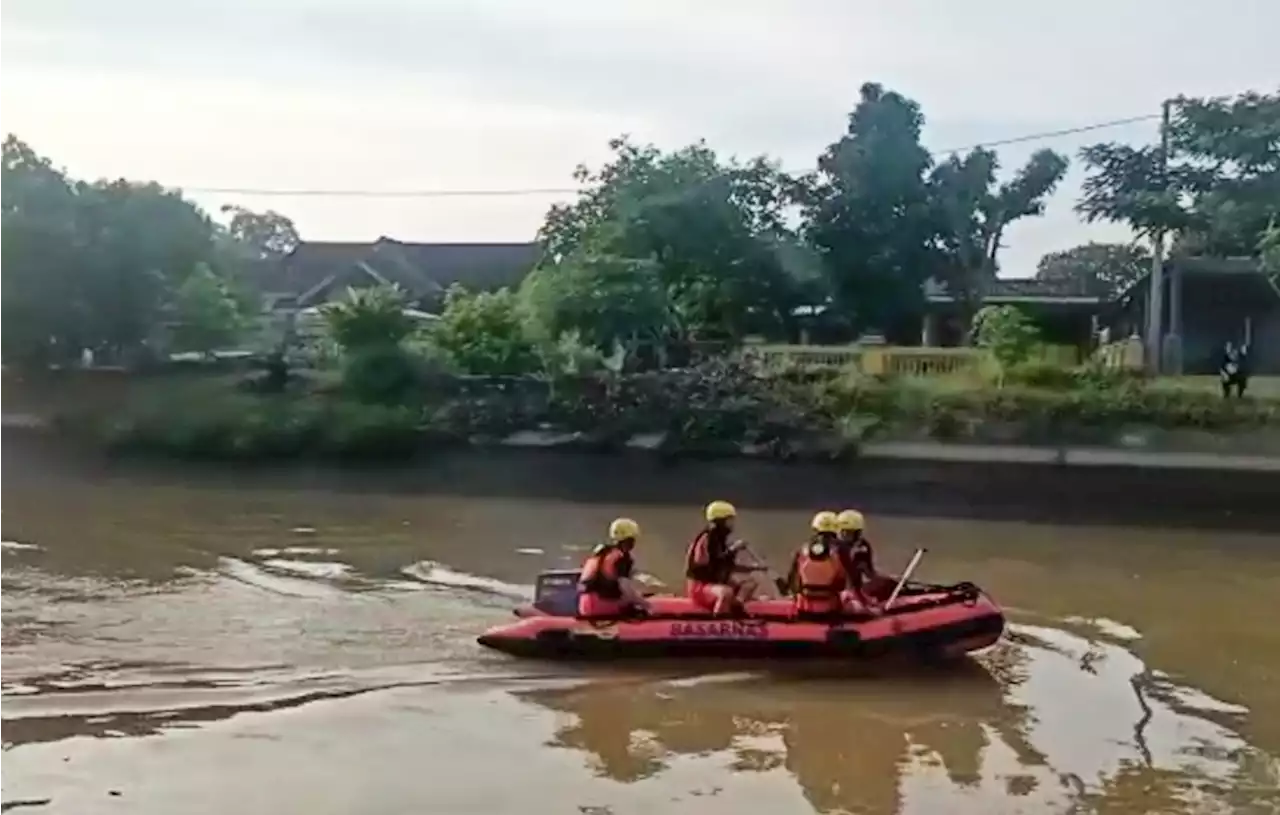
[715, 408]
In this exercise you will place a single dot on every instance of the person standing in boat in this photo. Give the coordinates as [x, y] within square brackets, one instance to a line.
[714, 580]
[817, 577]
[605, 585]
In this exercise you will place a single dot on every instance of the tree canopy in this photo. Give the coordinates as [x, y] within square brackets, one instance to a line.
[1104, 269]
[1217, 192]
[867, 211]
[712, 229]
[110, 265]
[662, 247]
[973, 210]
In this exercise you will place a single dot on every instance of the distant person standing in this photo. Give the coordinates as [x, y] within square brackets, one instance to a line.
[1233, 370]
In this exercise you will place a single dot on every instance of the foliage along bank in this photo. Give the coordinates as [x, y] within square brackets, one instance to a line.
[392, 390]
[716, 408]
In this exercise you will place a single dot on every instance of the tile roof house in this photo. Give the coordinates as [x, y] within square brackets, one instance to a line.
[318, 271]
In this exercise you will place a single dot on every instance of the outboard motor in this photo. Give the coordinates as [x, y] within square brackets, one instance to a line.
[556, 593]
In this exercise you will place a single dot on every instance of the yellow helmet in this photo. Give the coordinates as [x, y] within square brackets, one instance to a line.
[720, 510]
[851, 520]
[824, 521]
[623, 529]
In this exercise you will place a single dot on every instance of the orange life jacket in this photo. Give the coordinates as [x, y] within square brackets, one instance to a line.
[718, 567]
[599, 575]
[820, 577]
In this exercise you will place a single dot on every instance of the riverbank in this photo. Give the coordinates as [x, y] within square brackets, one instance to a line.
[719, 410]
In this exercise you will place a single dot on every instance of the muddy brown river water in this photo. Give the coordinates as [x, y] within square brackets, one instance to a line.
[255, 644]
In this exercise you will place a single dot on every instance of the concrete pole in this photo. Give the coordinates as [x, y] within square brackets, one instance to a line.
[1155, 295]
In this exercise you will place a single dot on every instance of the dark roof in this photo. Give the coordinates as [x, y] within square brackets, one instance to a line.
[309, 264]
[1208, 265]
[1198, 266]
[475, 265]
[1019, 287]
[420, 268]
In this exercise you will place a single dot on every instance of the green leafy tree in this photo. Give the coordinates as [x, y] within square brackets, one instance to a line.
[1007, 333]
[1217, 192]
[569, 355]
[1105, 269]
[266, 236]
[973, 211]
[715, 230]
[484, 333]
[44, 310]
[144, 241]
[867, 211]
[92, 265]
[605, 299]
[206, 315]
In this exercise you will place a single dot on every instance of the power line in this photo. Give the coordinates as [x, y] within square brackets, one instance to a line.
[1036, 137]
[533, 191]
[442, 193]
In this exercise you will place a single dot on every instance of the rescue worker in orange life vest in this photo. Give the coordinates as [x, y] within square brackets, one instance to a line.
[714, 579]
[858, 558]
[817, 578]
[605, 585]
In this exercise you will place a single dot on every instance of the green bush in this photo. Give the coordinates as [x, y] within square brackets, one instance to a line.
[1041, 374]
[383, 375]
[244, 428]
[369, 318]
[1049, 375]
[362, 431]
[484, 333]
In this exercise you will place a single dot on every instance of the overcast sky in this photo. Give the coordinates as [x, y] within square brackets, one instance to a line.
[398, 94]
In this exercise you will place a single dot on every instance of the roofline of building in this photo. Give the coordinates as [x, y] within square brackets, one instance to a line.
[1075, 299]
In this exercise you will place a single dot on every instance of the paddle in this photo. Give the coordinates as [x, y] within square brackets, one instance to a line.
[779, 583]
[902, 581]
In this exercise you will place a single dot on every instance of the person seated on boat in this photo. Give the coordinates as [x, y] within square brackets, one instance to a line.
[715, 581]
[858, 557]
[817, 577]
[605, 585]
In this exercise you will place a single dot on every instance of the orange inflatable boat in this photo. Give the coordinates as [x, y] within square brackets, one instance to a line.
[925, 621]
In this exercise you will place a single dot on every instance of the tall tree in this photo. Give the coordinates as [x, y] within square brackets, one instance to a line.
[714, 228]
[93, 265]
[44, 311]
[867, 210]
[144, 241]
[973, 211]
[1219, 189]
[1104, 269]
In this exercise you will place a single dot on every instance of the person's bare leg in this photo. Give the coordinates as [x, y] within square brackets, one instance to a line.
[724, 600]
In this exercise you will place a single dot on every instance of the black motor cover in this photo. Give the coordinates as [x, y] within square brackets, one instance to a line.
[556, 593]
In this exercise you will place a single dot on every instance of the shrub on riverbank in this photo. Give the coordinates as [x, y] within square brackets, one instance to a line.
[718, 407]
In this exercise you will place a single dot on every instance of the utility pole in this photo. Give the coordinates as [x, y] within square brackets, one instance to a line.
[1155, 296]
